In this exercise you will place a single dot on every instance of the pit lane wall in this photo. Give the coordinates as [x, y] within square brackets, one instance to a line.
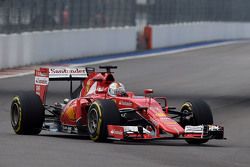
[44, 47]
[186, 33]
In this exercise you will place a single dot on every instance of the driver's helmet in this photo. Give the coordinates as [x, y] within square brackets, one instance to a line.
[116, 89]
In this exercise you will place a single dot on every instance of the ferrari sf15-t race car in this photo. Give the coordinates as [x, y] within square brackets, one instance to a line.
[101, 108]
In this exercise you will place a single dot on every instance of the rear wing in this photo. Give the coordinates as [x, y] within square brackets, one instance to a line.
[44, 75]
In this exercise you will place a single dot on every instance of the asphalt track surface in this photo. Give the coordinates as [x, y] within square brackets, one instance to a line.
[220, 75]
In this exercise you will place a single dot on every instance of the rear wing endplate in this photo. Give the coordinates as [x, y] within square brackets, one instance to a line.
[44, 75]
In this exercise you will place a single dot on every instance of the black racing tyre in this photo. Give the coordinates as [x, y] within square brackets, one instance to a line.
[27, 114]
[100, 114]
[200, 115]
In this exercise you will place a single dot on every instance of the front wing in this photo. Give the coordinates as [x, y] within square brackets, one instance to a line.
[116, 132]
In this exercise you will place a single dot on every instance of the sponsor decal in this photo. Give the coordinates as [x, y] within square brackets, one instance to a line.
[66, 72]
[214, 128]
[194, 129]
[41, 80]
[134, 129]
[116, 132]
[160, 114]
[170, 123]
[155, 108]
[126, 103]
[165, 118]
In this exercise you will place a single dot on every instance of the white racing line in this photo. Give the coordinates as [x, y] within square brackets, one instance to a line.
[138, 56]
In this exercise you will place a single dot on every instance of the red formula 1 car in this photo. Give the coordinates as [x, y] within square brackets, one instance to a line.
[101, 108]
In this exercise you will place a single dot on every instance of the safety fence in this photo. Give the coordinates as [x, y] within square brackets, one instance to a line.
[179, 11]
[38, 15]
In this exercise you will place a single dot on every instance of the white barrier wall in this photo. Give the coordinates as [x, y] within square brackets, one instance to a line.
[184, 33]
[39, 47]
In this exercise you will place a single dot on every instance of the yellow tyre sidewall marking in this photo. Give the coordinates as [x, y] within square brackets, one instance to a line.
[99, 121]
[17, 100]
[188, 105]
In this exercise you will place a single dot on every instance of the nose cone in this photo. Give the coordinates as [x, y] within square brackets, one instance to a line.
[171, 126]
[168, 124]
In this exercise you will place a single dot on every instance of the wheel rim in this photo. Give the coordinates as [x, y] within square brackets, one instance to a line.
[15, 114]
[93, 121]
[188, 120]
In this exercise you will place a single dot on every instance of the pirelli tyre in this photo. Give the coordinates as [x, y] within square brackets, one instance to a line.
[27, 114]
[100, 114]
[200, 114]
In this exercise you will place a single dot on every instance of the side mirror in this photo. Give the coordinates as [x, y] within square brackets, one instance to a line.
[65, 101]
[148, 91]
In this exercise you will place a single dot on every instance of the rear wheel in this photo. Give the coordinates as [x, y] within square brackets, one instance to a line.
[199, 114]
[100, 114]
[27, 114]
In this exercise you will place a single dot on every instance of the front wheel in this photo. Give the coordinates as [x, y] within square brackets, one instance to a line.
[199, 113]
[27, 114]
[100, 114]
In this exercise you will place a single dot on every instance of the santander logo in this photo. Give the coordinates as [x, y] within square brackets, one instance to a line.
[66, 71]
